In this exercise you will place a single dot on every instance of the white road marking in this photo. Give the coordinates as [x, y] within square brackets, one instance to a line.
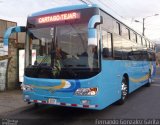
[158, 85]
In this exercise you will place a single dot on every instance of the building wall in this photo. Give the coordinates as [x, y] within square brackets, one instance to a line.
[12, 73]
[13, 66]
[21, 37]
[3, 67]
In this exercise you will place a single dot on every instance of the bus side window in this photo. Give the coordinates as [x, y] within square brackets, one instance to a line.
[107, 44]
[151, 56]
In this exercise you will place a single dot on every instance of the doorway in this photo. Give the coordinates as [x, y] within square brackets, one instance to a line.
[21, 63]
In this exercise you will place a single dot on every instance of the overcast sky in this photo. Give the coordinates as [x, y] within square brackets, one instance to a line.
[126, 10]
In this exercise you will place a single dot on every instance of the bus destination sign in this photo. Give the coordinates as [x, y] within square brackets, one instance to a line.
[59, 17]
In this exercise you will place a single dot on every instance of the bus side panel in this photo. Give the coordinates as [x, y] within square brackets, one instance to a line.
[111, 81]
[136, 81]
[138, 76]
[112, 74]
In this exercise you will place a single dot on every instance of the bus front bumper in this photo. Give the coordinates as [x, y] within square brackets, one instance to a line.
[74, 101]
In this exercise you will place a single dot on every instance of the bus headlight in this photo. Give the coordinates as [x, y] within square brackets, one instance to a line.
[86, 91]
[26, 87]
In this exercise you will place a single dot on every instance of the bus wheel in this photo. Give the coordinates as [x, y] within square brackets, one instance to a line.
[124, 91]
[149, 80]
[36, 105]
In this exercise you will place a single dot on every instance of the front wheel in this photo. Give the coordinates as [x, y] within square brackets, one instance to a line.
[36, 105]
[124, 91]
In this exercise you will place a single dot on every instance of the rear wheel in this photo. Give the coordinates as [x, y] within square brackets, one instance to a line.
[149, 80]
[124, 91]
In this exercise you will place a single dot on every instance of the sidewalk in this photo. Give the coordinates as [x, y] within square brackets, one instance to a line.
[11, 100]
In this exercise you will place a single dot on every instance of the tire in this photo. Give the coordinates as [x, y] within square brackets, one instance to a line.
[124, 92]
[36, 105]
[149, 80]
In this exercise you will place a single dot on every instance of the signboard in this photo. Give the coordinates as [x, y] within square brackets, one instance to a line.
[59, 17]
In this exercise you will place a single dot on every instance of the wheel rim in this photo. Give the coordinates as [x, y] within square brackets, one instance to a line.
[124, 90]
[150, 80]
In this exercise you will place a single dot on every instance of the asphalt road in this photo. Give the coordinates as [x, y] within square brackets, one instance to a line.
[141, 104]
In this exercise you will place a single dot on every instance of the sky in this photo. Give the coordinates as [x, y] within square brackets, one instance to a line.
[126, 10]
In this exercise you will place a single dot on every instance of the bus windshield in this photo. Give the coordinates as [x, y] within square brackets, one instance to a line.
[62, 47]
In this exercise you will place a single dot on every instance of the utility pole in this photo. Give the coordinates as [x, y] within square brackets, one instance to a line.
[143, 30]
[143, 27]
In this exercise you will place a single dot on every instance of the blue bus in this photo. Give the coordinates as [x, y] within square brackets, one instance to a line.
[85, 58]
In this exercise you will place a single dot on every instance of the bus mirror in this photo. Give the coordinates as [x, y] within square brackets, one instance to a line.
[92, 37]
[100, 22]
[105, 52]
[94, 21]
[7, 34]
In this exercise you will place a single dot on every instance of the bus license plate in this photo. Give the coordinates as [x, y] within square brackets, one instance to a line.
[52, 101]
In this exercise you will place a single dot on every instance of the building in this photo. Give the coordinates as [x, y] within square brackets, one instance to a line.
[9, 70]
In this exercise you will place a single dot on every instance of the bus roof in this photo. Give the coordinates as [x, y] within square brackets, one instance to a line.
[64, 8]
[76, 7]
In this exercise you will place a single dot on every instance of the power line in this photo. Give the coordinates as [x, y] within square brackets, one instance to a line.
[108, 7]
[90, 1]
[117, 6]
[111, 4]
[86, 1]
[103, 3]
[83, 1]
